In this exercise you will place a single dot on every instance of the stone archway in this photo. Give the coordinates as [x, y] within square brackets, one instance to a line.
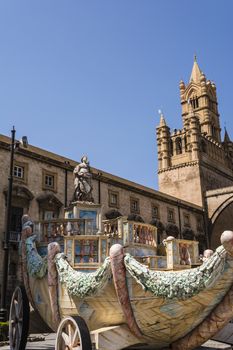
[222, 220]
[21, 195]
[49, 206]
[21, 198]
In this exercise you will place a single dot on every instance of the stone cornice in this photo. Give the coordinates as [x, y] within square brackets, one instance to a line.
[183, 165]
[217, 171]
[219, 191]
[29, 153]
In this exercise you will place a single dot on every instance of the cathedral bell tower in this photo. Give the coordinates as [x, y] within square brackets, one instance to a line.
[194, 159]
[201, 94]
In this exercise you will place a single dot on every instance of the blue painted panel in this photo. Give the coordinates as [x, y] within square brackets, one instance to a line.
[162, 263]
[70, 215]
[43, 250]
[143, 251]
[89, 214]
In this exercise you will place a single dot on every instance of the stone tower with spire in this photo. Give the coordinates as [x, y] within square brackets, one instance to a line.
[194, 159]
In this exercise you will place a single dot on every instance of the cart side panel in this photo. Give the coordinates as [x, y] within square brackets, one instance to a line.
[40, 295]
[101, 310]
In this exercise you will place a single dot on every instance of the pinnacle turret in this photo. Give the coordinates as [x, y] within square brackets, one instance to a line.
[196, 72]
[162, 119]
[226, 137]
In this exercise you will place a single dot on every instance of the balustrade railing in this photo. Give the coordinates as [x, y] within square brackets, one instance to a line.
[111, 228]
[14, 236]
[56, 229]
[130, 232]
[83, 245]
[144, 234]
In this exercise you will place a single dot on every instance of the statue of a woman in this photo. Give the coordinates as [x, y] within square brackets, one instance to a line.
[82, 181]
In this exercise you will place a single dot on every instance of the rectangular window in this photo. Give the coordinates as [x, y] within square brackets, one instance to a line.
[186, 220]
[113, 199]
[155, 211]
[49, 215]
[199, 224]
[49, 180]
[16, 216]
[170, 215]
[134, 205]
[19, 171]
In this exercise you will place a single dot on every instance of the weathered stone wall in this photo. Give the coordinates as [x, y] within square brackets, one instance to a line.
[182, 182]
[220, 205]
[214, 176]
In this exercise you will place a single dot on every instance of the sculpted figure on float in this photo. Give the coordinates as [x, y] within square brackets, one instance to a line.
[82, 181]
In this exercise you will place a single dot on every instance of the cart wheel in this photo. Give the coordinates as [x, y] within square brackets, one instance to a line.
[73, 334]
[19, 319]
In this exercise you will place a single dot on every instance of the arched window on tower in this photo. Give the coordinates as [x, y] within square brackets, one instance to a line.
[194, 102]
[171, 147]
[213, 131]
[203, 146]
[178, 145]
[185, 143]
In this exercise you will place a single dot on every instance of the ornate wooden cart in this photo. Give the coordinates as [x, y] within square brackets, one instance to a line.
[102, 283]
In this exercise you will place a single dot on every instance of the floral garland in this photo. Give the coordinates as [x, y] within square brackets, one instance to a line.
[82, 284]
[36, 265]
[179, 284]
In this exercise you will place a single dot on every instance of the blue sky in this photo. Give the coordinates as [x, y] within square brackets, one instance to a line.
[88, 77]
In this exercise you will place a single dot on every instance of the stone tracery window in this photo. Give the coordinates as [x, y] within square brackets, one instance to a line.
[185, 143]
[203, 146]
[171, 147]
[178, 145]
[194, 102]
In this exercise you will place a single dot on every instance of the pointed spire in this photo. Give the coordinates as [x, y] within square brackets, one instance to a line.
[196, 72]
[162, 119]
[226, 137]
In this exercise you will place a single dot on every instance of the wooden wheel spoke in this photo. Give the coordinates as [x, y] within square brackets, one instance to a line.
[20, 324]
[76, 340]
[19, 319]
[66, 338]
[20, 306]
[14, 336]
[70, 331]
[16, 308]
[73, 334]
